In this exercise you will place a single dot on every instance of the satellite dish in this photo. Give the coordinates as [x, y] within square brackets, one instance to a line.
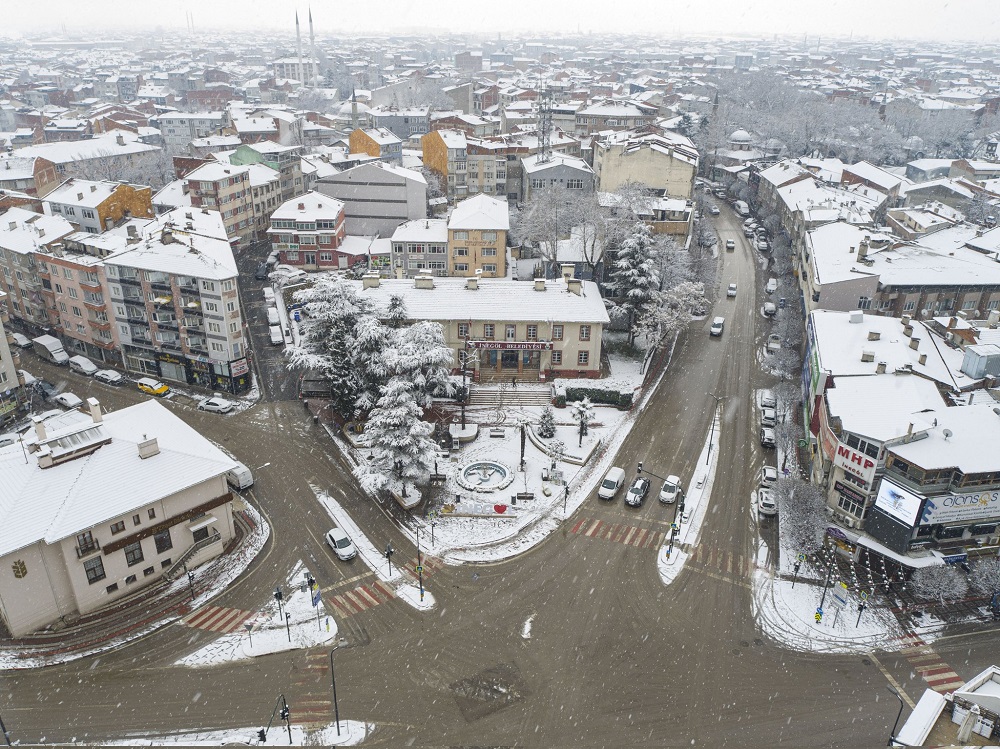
[947, 433]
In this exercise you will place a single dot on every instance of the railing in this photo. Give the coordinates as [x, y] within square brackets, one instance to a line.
[87, 549]
[197, 546]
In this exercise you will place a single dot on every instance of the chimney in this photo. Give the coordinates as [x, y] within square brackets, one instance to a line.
[302, 206]
[908, 330]
[39, 428]
[148, 447]
[880, 368]
[952, 322]
[370, 281]
[423, 282]
[851, 251]
[94, 406]
[922, 359]
[166, 235]
[909, 431]
[472, 283]
[863, 249]
[574, 286]
[914, 343]
[994, 317]
[93, 188]
[856, 317]
[874, 335]
[539, 284]
[567, 271]
[120, 140]
[867, 355]
[906, 320]
[79, 195]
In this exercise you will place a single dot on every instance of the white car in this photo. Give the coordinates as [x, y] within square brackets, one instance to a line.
[730, 245]
[767, 437]
[21, 340]
[731, 291]
[68, 400]
[671, 490]
[767, 399]
[216, 405]
[765, 502]
[768, 475]
[768, 417]
[714, 210]
[717, 325]
[341, 544]
[109, 377]
[773, 342]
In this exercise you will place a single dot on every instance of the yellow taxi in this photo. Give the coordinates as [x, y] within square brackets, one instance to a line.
[151, 386]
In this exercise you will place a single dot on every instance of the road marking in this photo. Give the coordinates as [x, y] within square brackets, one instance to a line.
[640, 536]
[932, 668]
[889, 678]
[593, 528]
[217, 619]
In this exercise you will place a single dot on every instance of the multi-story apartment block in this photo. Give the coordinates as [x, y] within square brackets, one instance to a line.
[420, 246]
[477, 238]
[115, 155]
[22, 234]
[557, 171]
[226, 189]
[377, 196]
[666, 162]
[379, 142]
[404, 123]
[33, 175]
[307, 232]
[265, 187]
[445, 152]
[613, 114]
[12, 395]
[175, 303]
[98, 206]
[180, 128]
[286, 160]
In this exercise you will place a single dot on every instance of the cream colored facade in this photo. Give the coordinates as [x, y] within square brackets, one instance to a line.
[656, 162]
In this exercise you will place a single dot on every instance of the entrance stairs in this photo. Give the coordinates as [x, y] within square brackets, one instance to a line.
[503, 395]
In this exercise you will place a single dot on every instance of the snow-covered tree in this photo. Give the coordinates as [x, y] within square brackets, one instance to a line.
[671, 311]
[546, 427]
[367, 355]
[985, 576]
[401, 444]
[545, 219]
[787, 434]
[583, 413]
[633, 278]
[801, 513]
[555, 450]
[396, 313]
[940, 582]
[419, 353]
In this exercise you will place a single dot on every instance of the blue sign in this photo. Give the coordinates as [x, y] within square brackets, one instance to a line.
[317, 595]
[819, 610]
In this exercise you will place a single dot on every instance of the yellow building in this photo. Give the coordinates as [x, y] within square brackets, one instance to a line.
[378, 142]
[477, 238]
[95, 207]
[446, 153]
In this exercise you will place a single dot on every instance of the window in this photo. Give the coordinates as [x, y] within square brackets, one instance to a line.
[574, 184]
[584, 332]
[461, 252]
[118, 527]
[864, 303]
[130, 579]
[583, 358]
[557, 332]
[490, 268]
[463, 330]
[292, 256]
[463, 235]
[77, 311]
[849, 506]
[94, 569]
[211, 307]
[511, 332]
[532, 333]
[148, 571]
[461, 267]
[208, 285]
[489, 252]
[326, 257]
[152, 513]
[67, 273]
[59, 288]
[969, 304]
[112, 588]
[136, 520]
[133, 554]
[557, 357]
[489, 236]
[165, 563]
[72, 293]
[537, 184]
[909, 306]
[488, 330]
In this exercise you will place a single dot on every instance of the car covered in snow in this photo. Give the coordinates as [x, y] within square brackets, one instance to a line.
[731, 291]
[671, 490]
[636, 493]
[773, 342]
[767, 399]
[768, 417]
[730, 245]
[768, 475]
[718, 324]
[766, 504]
[68, 400]
[767, 437]
[109, 377]
[714, 209]
[215, 404]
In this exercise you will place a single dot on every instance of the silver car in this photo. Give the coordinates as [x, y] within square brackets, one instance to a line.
[341, 544]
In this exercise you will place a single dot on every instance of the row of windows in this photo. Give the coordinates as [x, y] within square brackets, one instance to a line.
[510, 332]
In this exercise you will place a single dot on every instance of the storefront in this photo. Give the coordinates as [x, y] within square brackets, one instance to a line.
[519, 359]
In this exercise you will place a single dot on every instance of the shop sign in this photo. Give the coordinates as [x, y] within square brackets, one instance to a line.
[512, 345]
[239, 367]
[849, 492]
[898, 503]
[855, 463]
[952, 508]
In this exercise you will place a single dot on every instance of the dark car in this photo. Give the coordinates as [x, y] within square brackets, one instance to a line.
[46, 389]
[637, 492]
[261, 273]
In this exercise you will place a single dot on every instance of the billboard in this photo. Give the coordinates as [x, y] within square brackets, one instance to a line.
[855, 463]
[952, 508]
[898, 503]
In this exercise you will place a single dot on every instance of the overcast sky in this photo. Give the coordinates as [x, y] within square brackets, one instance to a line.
[915, 19]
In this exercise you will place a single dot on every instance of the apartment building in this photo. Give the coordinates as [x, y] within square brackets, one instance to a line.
[379, 142]
[377, 196]
[97, 206]
[225, 188]
[613, 114]
[286, 160]
[180, 128]
[265, 188]
[445, 151]
[477, 238]
[176, 305]
[556, 171]
[307, 232]
[666, 162]
[33, 175]
[420, 246]
[403, 122]
[113, 155]
[12, 395]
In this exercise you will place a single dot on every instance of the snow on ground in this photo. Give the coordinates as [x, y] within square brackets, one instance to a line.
[526, 628]
[696, 502]
[222, 571]
[400, 579]
[307, 627]
[352, 733]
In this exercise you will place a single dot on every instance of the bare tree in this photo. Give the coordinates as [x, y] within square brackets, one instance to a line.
[985, 576]
[543, 221]
[802, 513]
[943, 583]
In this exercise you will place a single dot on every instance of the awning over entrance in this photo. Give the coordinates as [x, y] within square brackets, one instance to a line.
[202, 523]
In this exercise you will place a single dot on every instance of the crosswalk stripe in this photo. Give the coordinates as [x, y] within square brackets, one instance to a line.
[628, 536]
[339, 603]
[349, 598]
[381, 588]
[620, 530]
[362, 592]
[639, 536]
[593, 529]
[576, 528]
[228, 621]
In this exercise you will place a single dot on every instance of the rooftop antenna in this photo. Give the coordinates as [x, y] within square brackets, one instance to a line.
[947, 433]
[544, 125]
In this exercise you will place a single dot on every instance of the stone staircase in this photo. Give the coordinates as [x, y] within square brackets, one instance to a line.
[503, 395]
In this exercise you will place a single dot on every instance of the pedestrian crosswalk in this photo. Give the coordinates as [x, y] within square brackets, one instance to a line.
[723, 560]
[621, 533]
[361, 598]
[217, 619]
[932, 668]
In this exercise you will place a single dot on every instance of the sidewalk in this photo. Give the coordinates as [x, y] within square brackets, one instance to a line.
[144, 612]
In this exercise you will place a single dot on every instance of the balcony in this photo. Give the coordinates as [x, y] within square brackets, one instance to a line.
[130, 280]
[167, 323]
[163, 300]
[99, 324]
[163, 286]
[88, 549]
[90, 285]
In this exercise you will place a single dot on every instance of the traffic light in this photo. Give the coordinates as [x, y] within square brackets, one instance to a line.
[285, 712]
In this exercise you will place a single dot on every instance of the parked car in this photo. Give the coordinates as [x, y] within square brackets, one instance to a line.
[9, 438]
[67, 400]
[637, 492]
[731, 291]
[262, 272]
[714, 210]
[21, 340]
[747, 231]
[151, 386]
[82, 365]
[46, 389]
[768, 417]
[763, 246]
[768, 475]
[717, 325]
[671, 490]
[215, 404]
[613, 481]
[769, 309]
[730, 245]
[773, 342]
[341, 544]
[274, 331]
[765, 502]
[767, 399]
[767, 437]
[772, 285]
[109, 377]
[239, 477]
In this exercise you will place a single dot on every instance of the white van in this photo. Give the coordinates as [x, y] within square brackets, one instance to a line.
[82, 365]
[240, 477]
[742, 208]
[612, 483]
[272, 316]
[276, 337]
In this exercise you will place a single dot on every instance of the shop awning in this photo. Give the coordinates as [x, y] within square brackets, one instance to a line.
[202, 523]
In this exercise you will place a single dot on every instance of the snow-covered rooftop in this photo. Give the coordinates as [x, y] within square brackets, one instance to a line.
[883, 408]
[480, 212]
[426, 230]
[309, 207]
[82, 192]
[24, 231]
[970, 446]
[100, 146]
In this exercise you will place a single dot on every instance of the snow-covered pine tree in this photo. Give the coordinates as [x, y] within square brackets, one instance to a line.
[633, 276]
[546, 424]
[401, 444]
[396, 315]
[371, 340]
[420, 355]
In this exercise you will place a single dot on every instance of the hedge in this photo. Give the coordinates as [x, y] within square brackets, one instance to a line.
[600, 395]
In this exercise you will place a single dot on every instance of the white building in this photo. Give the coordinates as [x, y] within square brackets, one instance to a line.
[180, 128]
[75, 537]
[377, 196]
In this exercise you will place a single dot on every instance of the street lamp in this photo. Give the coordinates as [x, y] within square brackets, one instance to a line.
[711, 434]
[333, 683]
[190, 577]
[892, 734]
[6, 734]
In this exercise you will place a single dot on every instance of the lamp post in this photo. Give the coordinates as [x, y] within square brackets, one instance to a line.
[420, 567]
[288, 626]
[190, 577]
[278, 595]
[6, 735]
[333, 683]
[892, 734]
[711, 434]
